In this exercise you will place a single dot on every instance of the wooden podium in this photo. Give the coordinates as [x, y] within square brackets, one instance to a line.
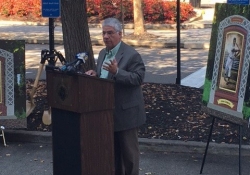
[82, 124]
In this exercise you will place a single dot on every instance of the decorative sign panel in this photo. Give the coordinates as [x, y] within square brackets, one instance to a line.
[12, 79]
[227, 79]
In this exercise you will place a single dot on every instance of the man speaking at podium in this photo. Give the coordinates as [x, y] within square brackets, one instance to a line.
[124, 65]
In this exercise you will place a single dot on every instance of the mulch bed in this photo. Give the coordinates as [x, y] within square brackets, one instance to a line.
[173, 113]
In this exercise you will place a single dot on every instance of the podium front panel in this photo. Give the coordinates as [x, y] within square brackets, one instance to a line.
[82, 124]
[79, 93]
[96, 94]
[63, 91]
[66, 142]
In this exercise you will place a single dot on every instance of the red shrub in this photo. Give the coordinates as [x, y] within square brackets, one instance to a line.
[159, 10]
[169, 10]
[187, 11]
[93, 7]
[108, 8]
[153, 10]
[20, 7]
[127, 9]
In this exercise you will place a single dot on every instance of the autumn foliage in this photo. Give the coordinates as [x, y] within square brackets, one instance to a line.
[153, 10]
[20, 8]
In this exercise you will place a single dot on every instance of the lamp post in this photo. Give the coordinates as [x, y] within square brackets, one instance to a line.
[178, 79]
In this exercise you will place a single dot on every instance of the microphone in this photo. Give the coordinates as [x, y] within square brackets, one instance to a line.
[73, 66]
[67, 67]
[81, 58]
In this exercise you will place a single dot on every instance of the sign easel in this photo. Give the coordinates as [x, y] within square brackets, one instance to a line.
[226, 94]
[221, 116]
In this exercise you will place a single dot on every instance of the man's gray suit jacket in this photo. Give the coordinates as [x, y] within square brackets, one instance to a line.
[129, 102]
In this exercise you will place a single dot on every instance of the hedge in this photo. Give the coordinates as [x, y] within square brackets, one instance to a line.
[153, 10]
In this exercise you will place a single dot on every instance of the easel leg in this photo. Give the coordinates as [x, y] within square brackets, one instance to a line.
[208, 140]
[2, 128]
[240, 140]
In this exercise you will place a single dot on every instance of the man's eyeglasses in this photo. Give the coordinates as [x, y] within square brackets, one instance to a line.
[109, 33]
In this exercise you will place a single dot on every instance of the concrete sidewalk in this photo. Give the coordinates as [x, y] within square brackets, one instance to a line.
[190, 39]
[195, 34]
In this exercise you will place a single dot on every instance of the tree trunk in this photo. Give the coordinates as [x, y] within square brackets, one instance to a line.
[139, 27]
[76, 36]
[195, 3]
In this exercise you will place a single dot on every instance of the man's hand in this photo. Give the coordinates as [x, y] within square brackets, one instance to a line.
[111, 67]
[91, 73]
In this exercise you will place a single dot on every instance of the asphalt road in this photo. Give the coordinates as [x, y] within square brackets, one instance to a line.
[161, 64]
[36, 159]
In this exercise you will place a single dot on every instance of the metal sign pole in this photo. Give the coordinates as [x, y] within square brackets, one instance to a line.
[50, 9]
[51, 39]
[178, 79]
[51, 34]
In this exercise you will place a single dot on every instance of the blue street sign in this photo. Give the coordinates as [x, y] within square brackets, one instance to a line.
[51, 8]
[243, 2]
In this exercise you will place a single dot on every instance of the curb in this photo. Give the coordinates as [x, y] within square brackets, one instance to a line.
[27, 136]
[176, 146]
[135, 43]
[158, 43]
[156, 145]
[194, 24]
